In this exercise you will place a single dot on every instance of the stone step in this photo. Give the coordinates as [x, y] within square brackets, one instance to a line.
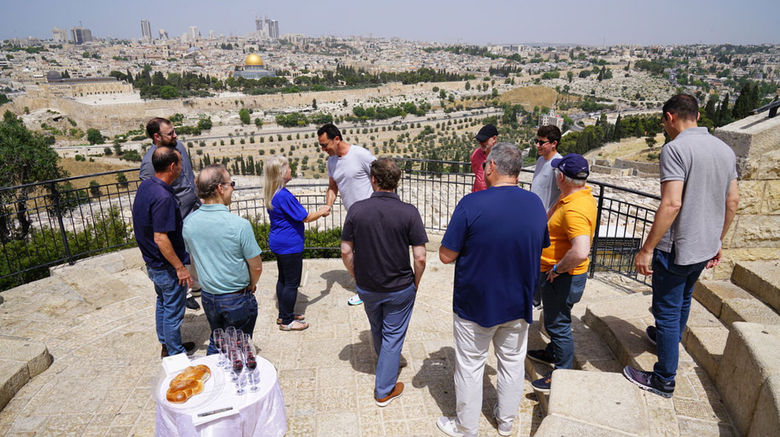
[761, 279]
[573, 411]
[712, 294]
[749, 378]
[20, 360]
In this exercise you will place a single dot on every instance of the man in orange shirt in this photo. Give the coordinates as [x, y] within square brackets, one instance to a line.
[564, 266]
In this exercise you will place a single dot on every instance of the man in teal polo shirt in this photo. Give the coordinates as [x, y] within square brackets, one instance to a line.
[225, 253]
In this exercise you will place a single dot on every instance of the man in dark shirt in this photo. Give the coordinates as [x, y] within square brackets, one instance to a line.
[157, 224]
[162, 134]
[375, 248]
[495, 237]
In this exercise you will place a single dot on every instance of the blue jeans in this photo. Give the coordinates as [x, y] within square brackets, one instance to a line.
[389, 315]
[290, 267]
[169, 312]
[223, 310]
[672, 290]
[558, 297]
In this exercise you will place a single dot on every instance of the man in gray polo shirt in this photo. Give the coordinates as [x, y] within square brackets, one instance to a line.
[699, 198]
[349, 172]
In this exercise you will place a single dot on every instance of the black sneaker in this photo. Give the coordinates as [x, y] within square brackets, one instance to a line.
[192, 304]
[541, 356]
[648, 381]
[650, 331]
[543, 384]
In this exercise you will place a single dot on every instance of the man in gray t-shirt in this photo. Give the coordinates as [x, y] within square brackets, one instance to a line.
[699, 198]
[543, 184]
[349, 172]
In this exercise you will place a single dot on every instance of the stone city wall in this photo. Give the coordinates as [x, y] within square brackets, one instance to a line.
[116, 118]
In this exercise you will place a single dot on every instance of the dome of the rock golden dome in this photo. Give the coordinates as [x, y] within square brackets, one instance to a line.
[253, 59]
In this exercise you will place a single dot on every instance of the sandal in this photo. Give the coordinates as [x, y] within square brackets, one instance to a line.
[295, 325]
[295, 317]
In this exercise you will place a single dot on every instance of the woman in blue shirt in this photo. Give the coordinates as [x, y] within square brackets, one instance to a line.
[287, 217]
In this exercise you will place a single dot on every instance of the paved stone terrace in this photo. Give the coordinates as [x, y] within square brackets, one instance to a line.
[97, 320]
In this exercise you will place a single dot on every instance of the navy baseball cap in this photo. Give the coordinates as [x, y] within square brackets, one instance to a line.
[572, 165]
[486, 132]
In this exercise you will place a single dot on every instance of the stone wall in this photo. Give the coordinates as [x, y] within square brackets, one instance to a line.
[755, 232]
[117, 118]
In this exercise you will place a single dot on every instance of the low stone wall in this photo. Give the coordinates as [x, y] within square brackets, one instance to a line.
[650, 168]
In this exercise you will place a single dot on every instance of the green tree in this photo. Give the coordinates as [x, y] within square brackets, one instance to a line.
[570, 75]
[205, 124]
[259, 124]
[314, 104]
[168, 92]
[26, 158]
[94, 188]
[121, 179]
[94, 136]
[243, 114]
[651, 141]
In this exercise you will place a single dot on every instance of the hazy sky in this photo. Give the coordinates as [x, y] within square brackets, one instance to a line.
[477, 22]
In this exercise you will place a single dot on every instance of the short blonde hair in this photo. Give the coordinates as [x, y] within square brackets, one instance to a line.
[273, 177]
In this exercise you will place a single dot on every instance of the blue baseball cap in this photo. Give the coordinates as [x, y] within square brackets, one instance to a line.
[572, 165]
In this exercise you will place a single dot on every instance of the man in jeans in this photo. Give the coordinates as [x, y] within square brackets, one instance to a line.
[699, 198]
[349, 173]
[226, 255]
[564, 266]
[157, 224]
[162, 134]
[375, 249]
[495, 237]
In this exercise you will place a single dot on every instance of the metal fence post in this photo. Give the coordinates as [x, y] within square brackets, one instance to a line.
[595, 244]
[55, 194]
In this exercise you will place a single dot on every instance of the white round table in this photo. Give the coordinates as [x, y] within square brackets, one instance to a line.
[260, 413]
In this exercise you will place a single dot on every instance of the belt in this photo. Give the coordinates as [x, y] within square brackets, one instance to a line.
[243, 290]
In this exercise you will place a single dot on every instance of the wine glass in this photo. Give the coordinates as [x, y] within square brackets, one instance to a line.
[217, 338]
[224, 347]
[250, 354]
[237, 360]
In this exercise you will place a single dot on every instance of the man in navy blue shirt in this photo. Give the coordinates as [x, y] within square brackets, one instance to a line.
[157, 224]
[162, 134]
[495, 237]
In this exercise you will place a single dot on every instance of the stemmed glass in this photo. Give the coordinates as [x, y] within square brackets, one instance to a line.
[250, 355]
[218, 337]
[237, 360]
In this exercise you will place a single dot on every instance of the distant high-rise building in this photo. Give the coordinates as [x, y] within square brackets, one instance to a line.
[80, 35]
[274, 33]
[163, 35]
[194, 34]
[59, 35]
[146, 30]
[259, 24]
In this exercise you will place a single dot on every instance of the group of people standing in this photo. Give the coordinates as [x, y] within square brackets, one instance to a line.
[513, 249]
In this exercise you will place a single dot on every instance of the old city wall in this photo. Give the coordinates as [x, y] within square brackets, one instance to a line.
[755, 232]
[118, 118]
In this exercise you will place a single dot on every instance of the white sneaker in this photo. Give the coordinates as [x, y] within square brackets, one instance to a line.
[449, 426]
[504, 429]
[354, 300]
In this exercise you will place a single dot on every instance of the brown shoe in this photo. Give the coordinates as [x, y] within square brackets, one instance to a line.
[397, 390]
[295, 317]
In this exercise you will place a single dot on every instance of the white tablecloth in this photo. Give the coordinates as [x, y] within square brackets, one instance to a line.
[261, 413]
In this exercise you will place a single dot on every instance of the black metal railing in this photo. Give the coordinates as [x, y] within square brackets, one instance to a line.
[52, 222]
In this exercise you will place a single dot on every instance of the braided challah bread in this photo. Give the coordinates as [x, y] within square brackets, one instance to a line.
[188, 383]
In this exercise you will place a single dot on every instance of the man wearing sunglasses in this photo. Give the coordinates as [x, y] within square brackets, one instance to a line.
[349, 173]
[543, 184]
[162, 134]
[225, 252]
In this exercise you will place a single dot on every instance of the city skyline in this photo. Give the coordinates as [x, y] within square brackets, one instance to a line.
[607, 22]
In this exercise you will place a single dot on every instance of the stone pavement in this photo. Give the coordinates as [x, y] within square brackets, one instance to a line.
[97, 320]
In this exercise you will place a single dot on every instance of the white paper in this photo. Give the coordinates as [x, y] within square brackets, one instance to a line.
[175, 363]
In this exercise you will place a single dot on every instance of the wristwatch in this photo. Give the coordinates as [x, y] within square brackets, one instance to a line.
[555, 269]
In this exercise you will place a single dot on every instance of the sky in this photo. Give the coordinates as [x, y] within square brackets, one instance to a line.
[594, 22]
